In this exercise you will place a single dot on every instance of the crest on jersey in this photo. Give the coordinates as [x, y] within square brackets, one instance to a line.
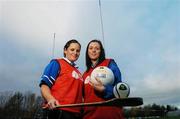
[87, 80]
[76, 75]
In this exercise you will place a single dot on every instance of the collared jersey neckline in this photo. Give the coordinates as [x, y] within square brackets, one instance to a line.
[72, 63]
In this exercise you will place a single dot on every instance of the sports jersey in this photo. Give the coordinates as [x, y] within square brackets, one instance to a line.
[65, 84]
[90, 95]
[52, 71]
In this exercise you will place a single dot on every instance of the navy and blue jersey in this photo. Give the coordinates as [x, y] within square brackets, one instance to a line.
[53, 68]
[108, 93]
[50, 73]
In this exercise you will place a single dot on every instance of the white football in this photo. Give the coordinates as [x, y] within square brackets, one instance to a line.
[103, 73]
[121, 90]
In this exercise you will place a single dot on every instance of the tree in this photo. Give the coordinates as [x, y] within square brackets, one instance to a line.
[12, 107]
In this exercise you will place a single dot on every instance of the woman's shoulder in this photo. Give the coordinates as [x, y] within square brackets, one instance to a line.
[54, 63]
[110, 60]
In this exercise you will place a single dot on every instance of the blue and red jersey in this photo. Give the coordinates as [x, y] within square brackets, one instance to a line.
[90, 95]
[65, 83]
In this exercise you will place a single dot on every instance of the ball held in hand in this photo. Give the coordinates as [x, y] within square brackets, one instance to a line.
[104, 74]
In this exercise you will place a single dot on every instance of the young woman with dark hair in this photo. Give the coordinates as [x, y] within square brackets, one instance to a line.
[95, 56]
[62, 83]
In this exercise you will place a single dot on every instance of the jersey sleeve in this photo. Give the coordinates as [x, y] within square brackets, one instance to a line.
[50, 73]
[108, 93]
[116, 71]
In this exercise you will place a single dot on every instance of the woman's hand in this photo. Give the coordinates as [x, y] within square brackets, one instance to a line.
[46, 93]
[52, 103]
[98, 86]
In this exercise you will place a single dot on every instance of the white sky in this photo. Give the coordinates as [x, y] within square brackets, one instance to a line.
[141, 35]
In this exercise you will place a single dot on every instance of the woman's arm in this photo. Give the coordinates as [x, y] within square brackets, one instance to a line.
[108, 92]
[47, 81]
[46, 93]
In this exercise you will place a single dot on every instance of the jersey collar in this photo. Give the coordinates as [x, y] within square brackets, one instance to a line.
[71, 63]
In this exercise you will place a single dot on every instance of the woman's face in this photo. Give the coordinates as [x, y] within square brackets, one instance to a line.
[72, 52]
[94, 51]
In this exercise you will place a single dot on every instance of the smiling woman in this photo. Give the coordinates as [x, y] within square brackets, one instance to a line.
[141, 35]
[62, 83]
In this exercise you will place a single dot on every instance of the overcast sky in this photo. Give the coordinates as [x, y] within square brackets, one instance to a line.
[143, 36]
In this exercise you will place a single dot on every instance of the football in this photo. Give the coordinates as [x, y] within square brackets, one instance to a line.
[104, 74]
[121, 90]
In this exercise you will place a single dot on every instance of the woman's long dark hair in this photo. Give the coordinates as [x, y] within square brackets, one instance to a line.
[101, 57]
